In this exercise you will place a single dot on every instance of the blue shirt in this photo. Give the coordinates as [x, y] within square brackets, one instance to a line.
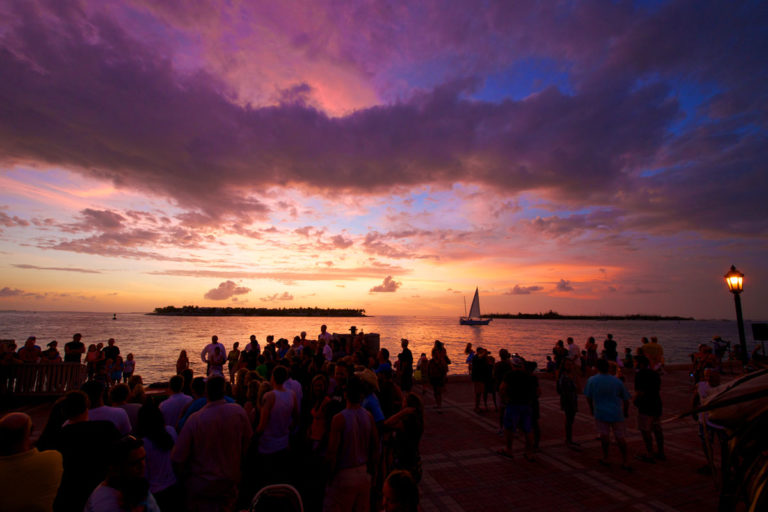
[607, 393]
[372, 405]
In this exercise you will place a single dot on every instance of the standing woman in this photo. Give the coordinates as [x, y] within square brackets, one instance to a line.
[437, 370]
[591, 348]
[159, 440]
[182, 363]
[470, 353]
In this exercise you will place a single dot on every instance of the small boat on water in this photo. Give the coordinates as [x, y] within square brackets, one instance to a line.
[474, 317]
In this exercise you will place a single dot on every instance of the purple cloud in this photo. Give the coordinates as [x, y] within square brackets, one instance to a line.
[589, 139]
[524, 290]
[61, 269]
[277, 296]
[9, 222]
[564, 286]
[388, 285]
[11, 292]
[226, 290]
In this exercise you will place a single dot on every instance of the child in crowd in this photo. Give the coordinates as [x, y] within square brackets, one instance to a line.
[629, 359]
[116, 372]
[129, 366]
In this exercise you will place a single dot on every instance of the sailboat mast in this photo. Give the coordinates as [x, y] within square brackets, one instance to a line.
[465, 306]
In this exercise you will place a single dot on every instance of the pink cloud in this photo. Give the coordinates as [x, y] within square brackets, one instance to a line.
[277, 296]
[525, 290]
[388, 285]
[226, 290]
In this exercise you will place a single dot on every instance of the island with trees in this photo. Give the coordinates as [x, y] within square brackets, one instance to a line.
[229, 311]
[553, 315]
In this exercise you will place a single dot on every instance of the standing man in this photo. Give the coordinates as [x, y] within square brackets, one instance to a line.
[405, 358]
[324, 335]
[111, 351]
[30, 353]
[98, 411]
[83, 444]
[172, 406]
[655, 354]
[29, 479]
[517, 390]
[210, 449]
[608, 401]
[278, 414]
[74, 350]
[352, 454]
[648, 402]
[208, 353]
[574, 352]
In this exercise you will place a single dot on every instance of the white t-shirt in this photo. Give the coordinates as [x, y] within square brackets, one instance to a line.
[172, 406]
[159, 470]
[114, 414]
[107, 499]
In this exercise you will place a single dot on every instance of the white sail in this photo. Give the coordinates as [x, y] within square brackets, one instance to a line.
[474, 311]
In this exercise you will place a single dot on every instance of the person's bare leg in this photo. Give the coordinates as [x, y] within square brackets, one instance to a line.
[604, 444]
[624, 453]
[509, 437]
[648, 440]
[659, 442]
[529, 446]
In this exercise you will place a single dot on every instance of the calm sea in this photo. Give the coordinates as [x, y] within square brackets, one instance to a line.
[156, 341]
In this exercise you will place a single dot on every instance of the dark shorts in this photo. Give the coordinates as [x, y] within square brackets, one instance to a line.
[518, 416]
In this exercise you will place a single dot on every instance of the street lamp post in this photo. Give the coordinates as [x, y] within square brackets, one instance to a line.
[735, 281]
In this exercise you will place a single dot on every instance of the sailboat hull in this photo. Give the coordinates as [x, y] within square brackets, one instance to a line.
[474, 321]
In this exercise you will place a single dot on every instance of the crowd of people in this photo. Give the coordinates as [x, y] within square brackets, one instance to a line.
[329, 416]
[516, 382]
[104, 363]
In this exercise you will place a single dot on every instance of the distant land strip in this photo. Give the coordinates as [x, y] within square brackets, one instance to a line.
[552, 315]
[209, 311]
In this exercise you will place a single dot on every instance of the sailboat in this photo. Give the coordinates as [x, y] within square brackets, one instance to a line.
[474, 313]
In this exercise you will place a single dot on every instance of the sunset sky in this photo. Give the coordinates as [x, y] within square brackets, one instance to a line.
[586, 157]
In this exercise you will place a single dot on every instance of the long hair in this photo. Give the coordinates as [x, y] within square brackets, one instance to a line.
[152, 426]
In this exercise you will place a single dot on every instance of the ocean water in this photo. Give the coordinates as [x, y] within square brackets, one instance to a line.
[156, 341]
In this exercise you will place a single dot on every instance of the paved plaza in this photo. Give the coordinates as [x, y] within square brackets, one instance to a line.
[462, 471]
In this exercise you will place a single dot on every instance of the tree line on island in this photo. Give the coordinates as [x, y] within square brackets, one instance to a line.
[553, 315]
[230, 311]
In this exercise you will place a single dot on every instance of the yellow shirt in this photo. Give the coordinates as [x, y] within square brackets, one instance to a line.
[30, 480]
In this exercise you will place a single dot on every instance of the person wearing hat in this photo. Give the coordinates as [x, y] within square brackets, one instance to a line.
[51, 355]
[370, 401]
[30, 353]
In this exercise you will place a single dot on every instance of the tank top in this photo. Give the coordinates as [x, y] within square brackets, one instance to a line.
[354, 447]
[277, 432]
